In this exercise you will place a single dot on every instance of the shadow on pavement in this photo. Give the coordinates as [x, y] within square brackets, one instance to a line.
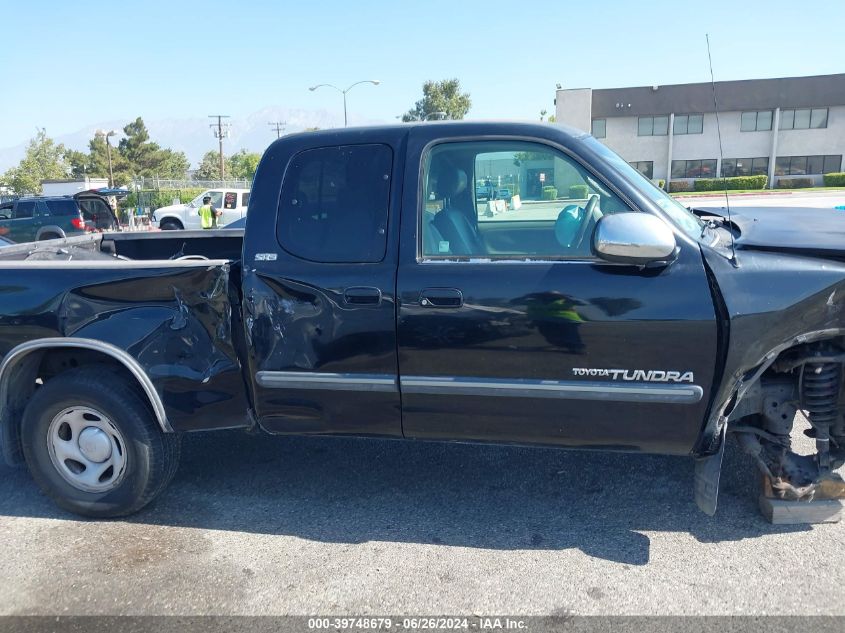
[346, 490]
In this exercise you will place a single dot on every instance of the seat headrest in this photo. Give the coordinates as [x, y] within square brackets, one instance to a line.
[450, 181]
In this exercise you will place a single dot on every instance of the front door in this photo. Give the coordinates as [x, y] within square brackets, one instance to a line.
[24, 227]
[511, 330]
[319, 293]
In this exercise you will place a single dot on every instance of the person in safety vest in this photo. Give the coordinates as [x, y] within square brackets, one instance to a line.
[208, 214]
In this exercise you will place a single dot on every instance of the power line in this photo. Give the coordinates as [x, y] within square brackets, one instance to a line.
[278, 127]
[221, 130]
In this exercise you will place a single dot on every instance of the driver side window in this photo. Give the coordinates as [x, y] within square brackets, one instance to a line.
[509, 200]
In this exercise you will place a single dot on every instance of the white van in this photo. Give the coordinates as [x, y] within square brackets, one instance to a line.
[232, 202]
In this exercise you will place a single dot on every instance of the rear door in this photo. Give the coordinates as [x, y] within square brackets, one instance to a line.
[97, 213]
[511, 330]
[6, 218]
[319, 282]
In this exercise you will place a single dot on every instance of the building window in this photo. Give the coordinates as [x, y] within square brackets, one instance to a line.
[745, 167]
[705, 168]
[804, 165]
[806, 118]
[688, 124]
[653, 126]
[756, 121]
[599, 128]
[645, 167]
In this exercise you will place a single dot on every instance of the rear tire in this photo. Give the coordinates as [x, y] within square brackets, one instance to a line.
[88, 422]
[49, 236]
[170, 225]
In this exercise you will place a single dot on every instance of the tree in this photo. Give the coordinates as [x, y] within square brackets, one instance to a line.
[148, 159]
[44, 160]
[209, 167]
[77, 163]
[441, 99]
[243, 165]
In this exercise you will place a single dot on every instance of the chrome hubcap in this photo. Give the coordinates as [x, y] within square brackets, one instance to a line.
[86, 449]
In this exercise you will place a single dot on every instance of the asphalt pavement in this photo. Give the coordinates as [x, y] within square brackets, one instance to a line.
[274, 525]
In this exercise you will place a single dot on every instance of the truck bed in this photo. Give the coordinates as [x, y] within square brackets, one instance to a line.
[218, 246]
[170, 300]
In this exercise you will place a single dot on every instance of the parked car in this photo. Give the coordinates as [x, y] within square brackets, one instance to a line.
[349, 306]
[232, 202]
[503, 194]
[483, 192]
[53, 217]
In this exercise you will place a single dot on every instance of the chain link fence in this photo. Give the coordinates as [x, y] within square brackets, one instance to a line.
[160, 183]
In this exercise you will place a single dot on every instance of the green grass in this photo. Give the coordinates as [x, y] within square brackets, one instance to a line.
[687, 194]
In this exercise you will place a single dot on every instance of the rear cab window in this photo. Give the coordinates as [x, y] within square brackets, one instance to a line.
[334, 204]
[230, 200]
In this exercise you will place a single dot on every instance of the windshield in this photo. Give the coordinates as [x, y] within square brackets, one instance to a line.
[679, 214]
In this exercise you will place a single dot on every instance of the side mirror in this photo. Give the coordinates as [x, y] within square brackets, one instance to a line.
[634, 238]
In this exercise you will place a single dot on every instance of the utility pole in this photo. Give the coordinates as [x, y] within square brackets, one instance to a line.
[106, 136]
[221, 130]
[278, 127]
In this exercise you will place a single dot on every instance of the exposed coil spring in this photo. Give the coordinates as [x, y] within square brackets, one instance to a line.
[820, 385]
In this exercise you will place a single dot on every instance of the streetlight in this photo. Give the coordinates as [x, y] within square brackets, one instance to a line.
[375, 82]
[106, 135]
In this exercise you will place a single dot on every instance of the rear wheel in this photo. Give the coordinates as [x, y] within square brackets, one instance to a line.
[93, 445]
[49, 236]
[170, 225]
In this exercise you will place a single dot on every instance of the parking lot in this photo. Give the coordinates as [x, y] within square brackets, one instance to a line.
[809, 199]
[273, 525]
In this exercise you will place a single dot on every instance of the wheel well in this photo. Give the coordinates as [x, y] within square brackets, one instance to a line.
[806, 378]
[171, 220]
[39, 367]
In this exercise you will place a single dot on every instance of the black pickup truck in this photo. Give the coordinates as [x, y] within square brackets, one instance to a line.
[372, 294]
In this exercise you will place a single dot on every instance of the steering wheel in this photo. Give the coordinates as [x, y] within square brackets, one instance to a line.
[589, 212]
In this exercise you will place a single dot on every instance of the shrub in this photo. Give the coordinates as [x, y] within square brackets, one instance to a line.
[679, 185]
[661, 183]
[834, 180]
[795, 183]
[578, 192]
[186, 195]
[737, 182]
[549, 193]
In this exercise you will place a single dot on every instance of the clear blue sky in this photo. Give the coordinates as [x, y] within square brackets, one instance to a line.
[67, 64]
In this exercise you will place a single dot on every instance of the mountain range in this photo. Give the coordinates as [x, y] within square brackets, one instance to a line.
[194, 136]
